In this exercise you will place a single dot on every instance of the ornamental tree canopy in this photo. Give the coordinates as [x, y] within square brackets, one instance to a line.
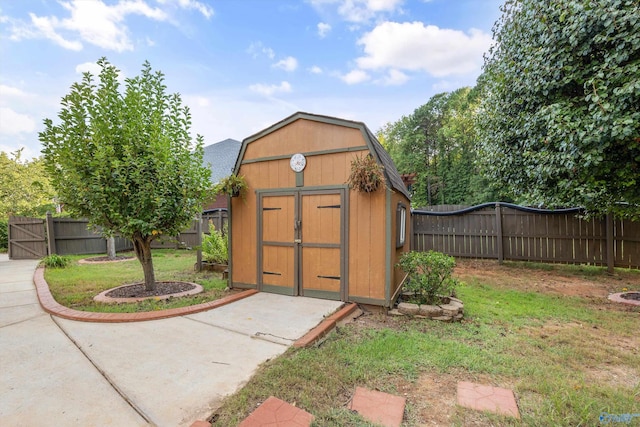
[560, 115]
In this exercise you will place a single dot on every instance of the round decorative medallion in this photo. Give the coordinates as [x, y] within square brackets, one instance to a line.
[298, 162]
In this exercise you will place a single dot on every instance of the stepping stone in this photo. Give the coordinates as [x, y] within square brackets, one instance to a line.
[378, 407]
[486, 398]
[277, 413]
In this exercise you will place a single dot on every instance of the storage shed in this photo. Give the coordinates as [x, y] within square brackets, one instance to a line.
[300, 229]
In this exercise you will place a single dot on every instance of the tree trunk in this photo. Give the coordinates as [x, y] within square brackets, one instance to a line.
[111, 248]
[142, 247]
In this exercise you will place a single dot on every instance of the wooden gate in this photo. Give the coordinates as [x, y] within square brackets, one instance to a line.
[27, 238]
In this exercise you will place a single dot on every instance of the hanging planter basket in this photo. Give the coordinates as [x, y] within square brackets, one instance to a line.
[233, 186]
[366, 174]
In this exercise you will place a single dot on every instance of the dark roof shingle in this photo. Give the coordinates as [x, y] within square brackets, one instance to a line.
[221, 158]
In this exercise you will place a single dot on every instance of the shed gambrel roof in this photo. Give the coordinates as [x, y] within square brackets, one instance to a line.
[390, 172]
[221, 158]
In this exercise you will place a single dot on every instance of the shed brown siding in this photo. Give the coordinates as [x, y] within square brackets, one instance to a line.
[367, 245]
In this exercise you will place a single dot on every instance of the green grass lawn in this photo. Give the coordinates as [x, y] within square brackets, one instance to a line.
[567, 359]
[76, 285]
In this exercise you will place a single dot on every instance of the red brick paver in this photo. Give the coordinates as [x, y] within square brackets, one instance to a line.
[486, 398]
[277, 413]
[378, 407]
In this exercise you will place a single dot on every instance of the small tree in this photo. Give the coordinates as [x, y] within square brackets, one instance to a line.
[126, 161]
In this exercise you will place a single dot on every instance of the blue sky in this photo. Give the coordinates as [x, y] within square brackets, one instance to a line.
[242, 65]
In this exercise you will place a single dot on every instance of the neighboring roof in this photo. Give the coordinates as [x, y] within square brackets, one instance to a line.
[391, 173]
[221, 157]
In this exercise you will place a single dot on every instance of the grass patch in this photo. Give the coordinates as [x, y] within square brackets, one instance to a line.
[568, 359]
[76, 285]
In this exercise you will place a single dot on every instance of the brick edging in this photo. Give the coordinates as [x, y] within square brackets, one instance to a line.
[51, 306]
[325, 326]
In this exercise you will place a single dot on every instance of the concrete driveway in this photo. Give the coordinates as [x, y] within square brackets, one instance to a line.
[167, 372]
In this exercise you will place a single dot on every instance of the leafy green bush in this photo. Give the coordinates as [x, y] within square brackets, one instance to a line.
[56, 261]
[429, 275]
[215, 246]
[4, 235]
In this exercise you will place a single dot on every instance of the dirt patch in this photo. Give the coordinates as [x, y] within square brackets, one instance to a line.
[553, 279]
[615, 376]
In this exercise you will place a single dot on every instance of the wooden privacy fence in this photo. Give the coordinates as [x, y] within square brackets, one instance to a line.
[67, 236]
[504, 231]
[34, 238]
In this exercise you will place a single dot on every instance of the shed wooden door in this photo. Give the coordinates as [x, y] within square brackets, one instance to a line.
[321, 264]
[276, 269]
[301, 247]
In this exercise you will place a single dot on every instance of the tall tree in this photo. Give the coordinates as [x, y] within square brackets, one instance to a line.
[438, 142]
[126, 161]
[24, 186]
[560, 116]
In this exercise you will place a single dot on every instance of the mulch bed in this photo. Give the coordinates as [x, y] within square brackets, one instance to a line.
[138, 291]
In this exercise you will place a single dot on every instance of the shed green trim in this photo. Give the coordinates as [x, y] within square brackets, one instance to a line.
[241, 285]
[370, 301]
[306, 154]
[282, 290]
[321, 294]
[387, 254]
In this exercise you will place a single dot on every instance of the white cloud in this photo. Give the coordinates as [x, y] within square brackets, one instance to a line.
[416, 47]
[12, 123]
[46, 27]
[91, 67]
[446, 85]
[360, 11]
[204, 9]
[200, 101]
[355, 77]
[288, 64]
[268, 90]
[315, 70]
[323, 29]
[96, 23]
[14, 92]
[395, 78]
[256, 49]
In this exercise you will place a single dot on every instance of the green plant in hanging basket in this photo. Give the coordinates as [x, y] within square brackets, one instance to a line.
[366, 175]
[233, 185]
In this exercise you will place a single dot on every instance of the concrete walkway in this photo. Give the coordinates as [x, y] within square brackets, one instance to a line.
[167, 372]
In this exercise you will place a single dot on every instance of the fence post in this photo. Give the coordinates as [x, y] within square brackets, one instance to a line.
[199, 241]
[609, 231]
[499, 233]
[51, 238]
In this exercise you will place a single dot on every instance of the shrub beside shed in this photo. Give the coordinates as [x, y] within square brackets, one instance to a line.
[300, 229]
